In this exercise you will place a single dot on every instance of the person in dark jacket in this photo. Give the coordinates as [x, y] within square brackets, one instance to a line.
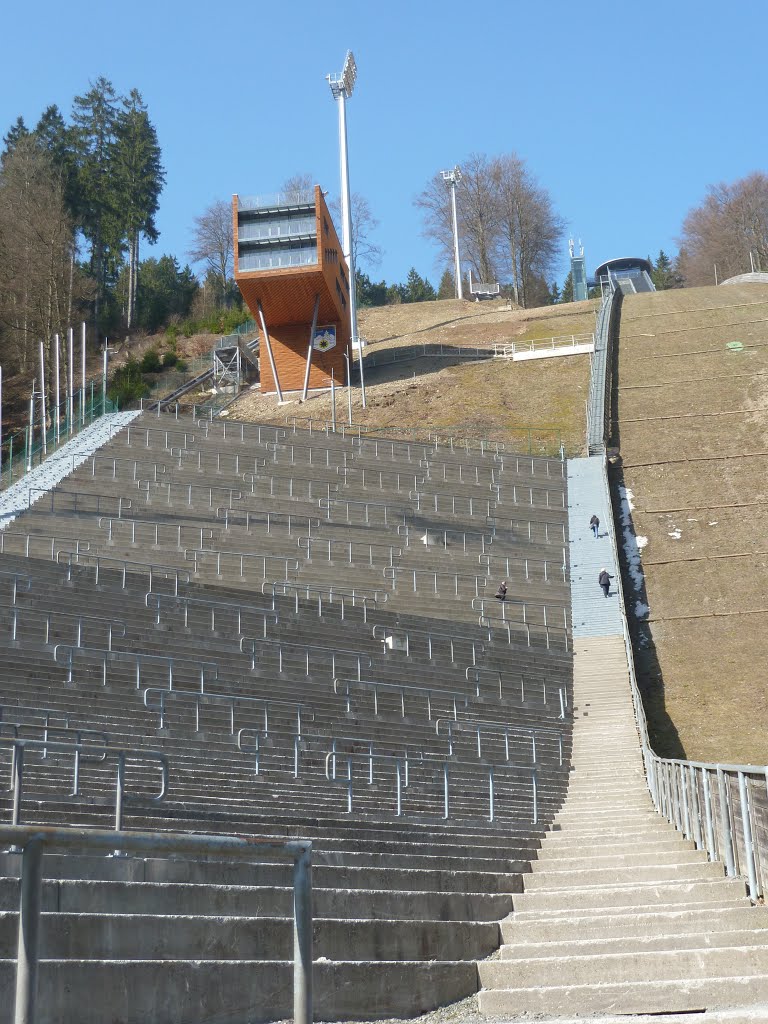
[501, 593]
[604, 579]
[594, 525]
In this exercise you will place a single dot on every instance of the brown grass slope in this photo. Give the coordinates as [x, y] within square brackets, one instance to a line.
[488, 398]
[693, 433]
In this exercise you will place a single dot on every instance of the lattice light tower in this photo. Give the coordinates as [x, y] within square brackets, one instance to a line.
[453, 177]
[578, 272]
[342, 86]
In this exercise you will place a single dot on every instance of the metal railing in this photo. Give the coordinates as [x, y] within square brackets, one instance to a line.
[427, 581]
[479, 676]
[455, 698]
[35, 841]
[326, 595]
[156, 699]
[560, 341]
[114, 627]
[205, 671]
[92, 752]
[122, 567]
[397, 638]
[309, 653]
[155, 602]
[504, 729]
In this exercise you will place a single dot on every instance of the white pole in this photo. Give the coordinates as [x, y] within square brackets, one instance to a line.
[71, 340]
[333, 400]
[58, 394]
[456, 257]
[715, 273]
[31, 431]
[42, 398]
[82, 404]
[751, 261]
[104, 378]
[1, 426]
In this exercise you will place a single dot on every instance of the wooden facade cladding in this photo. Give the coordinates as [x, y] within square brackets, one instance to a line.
[287, 297]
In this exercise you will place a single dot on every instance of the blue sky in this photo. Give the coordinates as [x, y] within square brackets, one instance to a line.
[624, 113]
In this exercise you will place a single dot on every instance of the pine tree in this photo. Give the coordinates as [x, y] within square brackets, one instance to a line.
[139, 179]
[55, 137]
[418, 288]
[663, 273]
[16, 132]
[95, 118]
[554, 292]
[567, 293]
[447, 288]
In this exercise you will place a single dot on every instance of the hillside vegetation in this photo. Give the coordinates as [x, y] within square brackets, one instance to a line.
[485, 398]
[693, 433]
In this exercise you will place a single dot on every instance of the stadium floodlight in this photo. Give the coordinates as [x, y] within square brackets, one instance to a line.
[453, 177]
[342, 86]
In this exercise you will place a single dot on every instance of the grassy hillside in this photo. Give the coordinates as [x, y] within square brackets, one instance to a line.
[693, 430]
[488, 398]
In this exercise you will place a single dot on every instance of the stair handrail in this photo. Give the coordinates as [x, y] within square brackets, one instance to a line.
[248, 646]
[344, 687]
[478, 727]
[156, 698]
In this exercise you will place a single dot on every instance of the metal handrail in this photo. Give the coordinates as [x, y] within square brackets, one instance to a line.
[529, 629]
[208, 670]
[155, 601]
[391, 572]
[342, 593]
[34, 841]
[456, 697]
[383, 633]
[478, 727]
[248, 646]
[328, 545]
[102, 562]
[325, 504]
[112, 624]
[123, 754]
[475, 675]
[157, 697]
[196, 555]
[232, 516]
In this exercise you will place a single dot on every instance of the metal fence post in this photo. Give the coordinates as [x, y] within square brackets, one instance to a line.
[302, 936]
[29, 932]
[725, 819]
[746, 824]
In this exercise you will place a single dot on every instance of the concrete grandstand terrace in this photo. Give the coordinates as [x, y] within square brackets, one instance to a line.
[485, 398]
[405, 905]
[692, 432]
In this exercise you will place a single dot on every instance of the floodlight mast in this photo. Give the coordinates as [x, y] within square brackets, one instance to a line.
[453, 177]
[342, 86]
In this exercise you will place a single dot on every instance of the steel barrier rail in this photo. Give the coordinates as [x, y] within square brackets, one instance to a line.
[477, 675]
[19, 711]
[51, 544]
[204, 533]
[400, 765]
[530, 630]
[156, 601]
[392, 572]
[248, 646]
[340, 594]
[496, 524]
[209, 670]
[478, 605]
[112, 624]
[289, 481]
[440, 538]
[158, 469]
[383, 633]
[188, 491]
[122, 755]
[401, 513]
[201, 453]
[510, 566]
[165, 432]
[79, 498]
[34, 841]
[239, 430]
[534, 496]
[274, 447]
[248, 518]
[456, 698]
[107, 563]
[479, 727]
[428, 465]
[82, 737]
[348, 548]
[156, 699]
[474, 505]
[240, 558]
[17, 577]
[368, 477]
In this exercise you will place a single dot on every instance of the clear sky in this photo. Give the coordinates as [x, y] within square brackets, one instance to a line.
[625, 112]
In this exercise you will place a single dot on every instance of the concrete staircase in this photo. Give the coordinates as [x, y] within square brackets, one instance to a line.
[621, 915]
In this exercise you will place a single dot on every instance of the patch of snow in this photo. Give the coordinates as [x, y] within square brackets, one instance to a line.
[641, 609]
[631, 543]
[714, 523]
[675, 534]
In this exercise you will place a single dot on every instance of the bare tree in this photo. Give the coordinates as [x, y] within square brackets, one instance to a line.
[731, 222]
[530, 232]
[38, 281]
[507, 225]
[213, 242]
[298, 184]
[364, 250]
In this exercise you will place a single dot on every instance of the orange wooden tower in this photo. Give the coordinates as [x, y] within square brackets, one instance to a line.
[291, 272]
